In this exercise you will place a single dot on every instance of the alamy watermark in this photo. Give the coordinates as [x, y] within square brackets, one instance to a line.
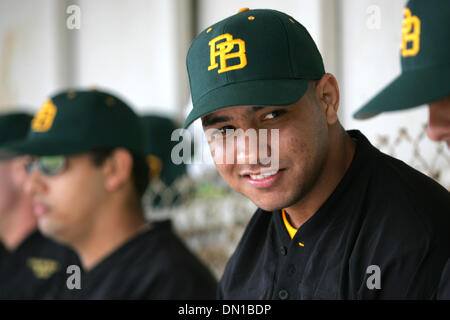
[374, 280]
[373, 17]
[230, 146]
[74, 280]
[73, 21]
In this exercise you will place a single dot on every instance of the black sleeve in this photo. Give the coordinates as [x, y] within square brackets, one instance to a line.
[444, 285]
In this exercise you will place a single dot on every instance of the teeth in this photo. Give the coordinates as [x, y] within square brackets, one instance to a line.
[263, 175]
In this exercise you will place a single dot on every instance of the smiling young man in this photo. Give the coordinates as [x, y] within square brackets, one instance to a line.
[337, 218]
[86, 180]
[31, 265]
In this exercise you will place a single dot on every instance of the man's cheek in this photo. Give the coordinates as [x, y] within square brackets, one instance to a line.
[226, 172]
[271, 158]
[218, 152]
[223, 169]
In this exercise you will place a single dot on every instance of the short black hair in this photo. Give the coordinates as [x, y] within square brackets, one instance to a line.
[140, 170]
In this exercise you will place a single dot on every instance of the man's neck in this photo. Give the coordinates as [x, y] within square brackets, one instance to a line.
[17, 225]
[342, 150]
[107, 236]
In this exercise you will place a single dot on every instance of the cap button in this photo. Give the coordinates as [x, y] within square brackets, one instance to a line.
[71, 94]
[110, 101]
[243, 9]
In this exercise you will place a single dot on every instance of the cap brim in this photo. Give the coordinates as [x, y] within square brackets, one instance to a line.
[249, 93]
[7, 151]
[410, 89]
[6, 155]
[41, 147]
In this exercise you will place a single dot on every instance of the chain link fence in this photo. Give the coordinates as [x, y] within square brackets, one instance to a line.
[206, 214]
[414, 148]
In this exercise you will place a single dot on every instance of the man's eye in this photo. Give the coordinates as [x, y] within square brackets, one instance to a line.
[225, 130]
[221, 132]
[273, 114]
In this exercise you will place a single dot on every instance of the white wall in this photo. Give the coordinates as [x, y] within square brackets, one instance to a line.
[134, 48]
[29, 63]
[369, 56]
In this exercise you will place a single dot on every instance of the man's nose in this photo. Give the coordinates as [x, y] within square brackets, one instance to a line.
[246, 150]
[252, 148]
[34, 183]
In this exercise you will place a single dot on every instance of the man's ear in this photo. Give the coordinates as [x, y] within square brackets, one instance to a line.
[117, 169]
[327, 94]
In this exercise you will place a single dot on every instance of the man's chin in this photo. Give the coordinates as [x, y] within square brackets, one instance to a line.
[270, 206]
[276, 201]
[52, 233]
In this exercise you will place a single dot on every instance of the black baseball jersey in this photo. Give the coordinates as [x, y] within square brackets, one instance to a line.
[36, 269]
[384, 233]
[154, 264]
[444, 286]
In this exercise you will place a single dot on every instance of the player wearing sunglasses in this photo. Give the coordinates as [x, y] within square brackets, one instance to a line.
[87, 175]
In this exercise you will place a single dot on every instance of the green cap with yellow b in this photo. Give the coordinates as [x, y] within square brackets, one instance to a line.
[256, 57]
[77, 121]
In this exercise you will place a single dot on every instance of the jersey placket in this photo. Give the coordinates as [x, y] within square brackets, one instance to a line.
[293, 256]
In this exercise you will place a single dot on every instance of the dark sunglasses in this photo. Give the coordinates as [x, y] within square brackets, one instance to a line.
[48, 165]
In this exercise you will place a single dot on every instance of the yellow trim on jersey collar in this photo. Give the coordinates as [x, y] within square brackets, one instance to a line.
[290, 229]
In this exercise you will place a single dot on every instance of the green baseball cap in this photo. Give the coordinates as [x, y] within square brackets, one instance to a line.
[73, 122]
[13, 128]
[256, 57]
[158, 131]
[425, 60]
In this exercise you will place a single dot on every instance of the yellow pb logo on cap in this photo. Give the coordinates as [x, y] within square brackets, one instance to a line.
[223, 49]
[44, 118]
[410, 34]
